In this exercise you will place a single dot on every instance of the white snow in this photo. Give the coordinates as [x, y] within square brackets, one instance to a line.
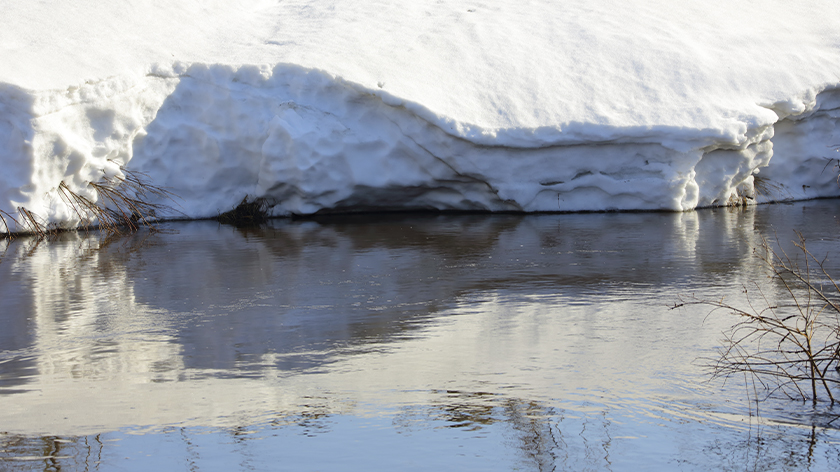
[351, 105]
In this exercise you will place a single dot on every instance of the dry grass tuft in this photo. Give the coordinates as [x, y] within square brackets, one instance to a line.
[248, 213]
[30, 221]
[123, 203]
[765, 187]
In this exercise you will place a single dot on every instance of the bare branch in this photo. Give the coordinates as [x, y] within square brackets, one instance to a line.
[783, 348]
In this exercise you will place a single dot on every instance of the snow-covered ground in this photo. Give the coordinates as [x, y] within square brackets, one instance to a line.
[423, 104]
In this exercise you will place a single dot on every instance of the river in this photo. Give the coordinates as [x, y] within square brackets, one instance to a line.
[399, 342]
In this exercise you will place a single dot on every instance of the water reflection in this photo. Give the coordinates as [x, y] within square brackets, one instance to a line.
[545, 336]
[544, 436]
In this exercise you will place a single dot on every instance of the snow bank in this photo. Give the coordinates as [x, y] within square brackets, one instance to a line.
[493, 105]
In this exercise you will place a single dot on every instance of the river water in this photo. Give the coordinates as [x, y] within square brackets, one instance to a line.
[399, 342]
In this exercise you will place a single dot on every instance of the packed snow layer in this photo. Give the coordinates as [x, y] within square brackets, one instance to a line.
[493, 105]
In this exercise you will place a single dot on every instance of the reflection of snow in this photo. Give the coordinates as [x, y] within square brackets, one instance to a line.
[92, 343]
[86, 319]
[387, 311]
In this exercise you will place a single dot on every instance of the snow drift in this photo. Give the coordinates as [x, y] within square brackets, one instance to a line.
[493, 105]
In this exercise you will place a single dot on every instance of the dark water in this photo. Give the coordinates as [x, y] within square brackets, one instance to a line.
[398, 342]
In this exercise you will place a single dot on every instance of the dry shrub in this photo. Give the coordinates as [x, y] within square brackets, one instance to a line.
[791, 347]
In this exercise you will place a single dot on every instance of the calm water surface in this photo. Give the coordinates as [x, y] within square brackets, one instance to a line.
[398, 342]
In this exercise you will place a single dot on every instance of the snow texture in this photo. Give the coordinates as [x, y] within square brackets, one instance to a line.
[459, 105]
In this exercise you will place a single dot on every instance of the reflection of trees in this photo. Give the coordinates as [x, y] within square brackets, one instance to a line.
[539, 435]
[192, 456]
[544, 436]
[768, 448]
[50, 453]
[547, 439]
[554, 439]
[310, 416]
